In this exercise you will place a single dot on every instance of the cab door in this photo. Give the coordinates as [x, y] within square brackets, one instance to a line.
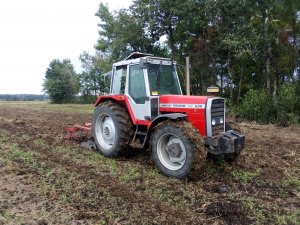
[138, 93]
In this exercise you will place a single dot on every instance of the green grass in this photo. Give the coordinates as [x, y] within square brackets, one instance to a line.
[254, 207]
[210, 169]
[291, 181]
[243, 176]
[130, 173]
[153, 173]
[289, 218]
[41, 143]
[3, 138]
[47, 106]
[18, 154]
[74, 108]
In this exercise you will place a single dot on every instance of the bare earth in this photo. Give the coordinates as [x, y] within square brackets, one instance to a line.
[44, 180]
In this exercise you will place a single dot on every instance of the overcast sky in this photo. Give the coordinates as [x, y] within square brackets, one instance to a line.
[33, 32]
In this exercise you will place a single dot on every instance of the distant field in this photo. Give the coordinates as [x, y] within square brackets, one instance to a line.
[45, 105]
[44, 180]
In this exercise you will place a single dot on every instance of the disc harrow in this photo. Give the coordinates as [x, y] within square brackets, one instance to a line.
[78, 132]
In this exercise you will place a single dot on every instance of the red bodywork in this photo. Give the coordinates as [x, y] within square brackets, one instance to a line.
[192, 106]
[122, 99]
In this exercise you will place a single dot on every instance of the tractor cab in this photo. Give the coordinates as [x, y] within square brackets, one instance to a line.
[143, 78]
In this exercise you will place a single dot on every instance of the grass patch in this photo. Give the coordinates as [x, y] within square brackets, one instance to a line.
[74, 108]
[289, 218]
[243, 176]
[41, 143]
[3, 138]
[47, 106]
[24, 156]
[131, 173]
[153, 173]
[291, 181]
[210, 169]
[254, 207]
[64, 150]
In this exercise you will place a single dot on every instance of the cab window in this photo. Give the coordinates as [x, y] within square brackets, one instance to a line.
[163, 79]
[119, 80]
[137, 89]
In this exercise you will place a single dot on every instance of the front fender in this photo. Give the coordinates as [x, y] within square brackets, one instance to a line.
[172, 116]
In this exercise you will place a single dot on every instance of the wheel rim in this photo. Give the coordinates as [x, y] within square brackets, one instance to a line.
[171, 152]
[105, 131]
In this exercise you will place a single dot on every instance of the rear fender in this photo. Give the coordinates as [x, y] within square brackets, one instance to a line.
[119, 99]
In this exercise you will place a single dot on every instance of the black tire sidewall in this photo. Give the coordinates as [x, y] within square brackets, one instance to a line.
[186, 168]
[115, 149]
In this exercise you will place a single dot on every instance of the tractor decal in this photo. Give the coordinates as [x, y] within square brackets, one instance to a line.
[182, 106]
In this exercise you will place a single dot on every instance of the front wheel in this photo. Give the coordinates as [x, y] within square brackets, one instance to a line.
[172, 150]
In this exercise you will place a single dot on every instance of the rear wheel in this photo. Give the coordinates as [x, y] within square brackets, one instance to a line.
[172, 150]
[111, 128]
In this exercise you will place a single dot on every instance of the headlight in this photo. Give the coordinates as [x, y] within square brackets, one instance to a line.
[213, 122]
[221, 121]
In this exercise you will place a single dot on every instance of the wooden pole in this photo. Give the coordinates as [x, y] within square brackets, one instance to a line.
[187, 75]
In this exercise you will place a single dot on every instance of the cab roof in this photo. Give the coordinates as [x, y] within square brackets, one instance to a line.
[138, 57]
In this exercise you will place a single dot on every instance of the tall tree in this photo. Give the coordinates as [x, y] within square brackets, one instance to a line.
[93, 79]
[61, 82]
[238, 45]
[121, 33]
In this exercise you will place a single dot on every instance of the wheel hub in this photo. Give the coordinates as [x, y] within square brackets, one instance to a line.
[105, 131]
[171, 151]
[174, 150]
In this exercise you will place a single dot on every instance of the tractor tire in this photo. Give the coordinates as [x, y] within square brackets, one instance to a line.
[112, 128]
[229, 157]
[172, 149]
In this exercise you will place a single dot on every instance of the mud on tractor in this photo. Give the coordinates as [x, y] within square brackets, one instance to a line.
[146, 107]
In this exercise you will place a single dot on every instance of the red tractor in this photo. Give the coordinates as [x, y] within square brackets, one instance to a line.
[145, 107]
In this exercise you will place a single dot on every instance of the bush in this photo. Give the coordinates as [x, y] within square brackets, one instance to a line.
[257, 106]
[286, 103]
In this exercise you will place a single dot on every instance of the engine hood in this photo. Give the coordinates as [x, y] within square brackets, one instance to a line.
[182, 102]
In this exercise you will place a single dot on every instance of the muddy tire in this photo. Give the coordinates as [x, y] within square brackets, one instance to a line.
[229, 157]
[111, 128]
[172, 150]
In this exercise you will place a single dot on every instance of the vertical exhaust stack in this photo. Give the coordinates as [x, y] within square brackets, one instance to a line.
[187, 59]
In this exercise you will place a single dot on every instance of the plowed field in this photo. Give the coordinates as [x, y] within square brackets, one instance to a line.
[44, 180]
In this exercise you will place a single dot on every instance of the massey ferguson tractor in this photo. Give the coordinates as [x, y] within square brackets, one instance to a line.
[145, 107]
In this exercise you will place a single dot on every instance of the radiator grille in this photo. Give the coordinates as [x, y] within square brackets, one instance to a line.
[217, 114]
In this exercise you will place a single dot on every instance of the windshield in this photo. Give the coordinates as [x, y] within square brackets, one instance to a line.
[163, 79]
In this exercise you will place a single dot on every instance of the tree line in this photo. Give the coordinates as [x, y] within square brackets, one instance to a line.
[23, 97]
[249, 48]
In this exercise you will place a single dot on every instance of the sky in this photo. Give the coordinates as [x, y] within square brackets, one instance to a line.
[34, 32]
